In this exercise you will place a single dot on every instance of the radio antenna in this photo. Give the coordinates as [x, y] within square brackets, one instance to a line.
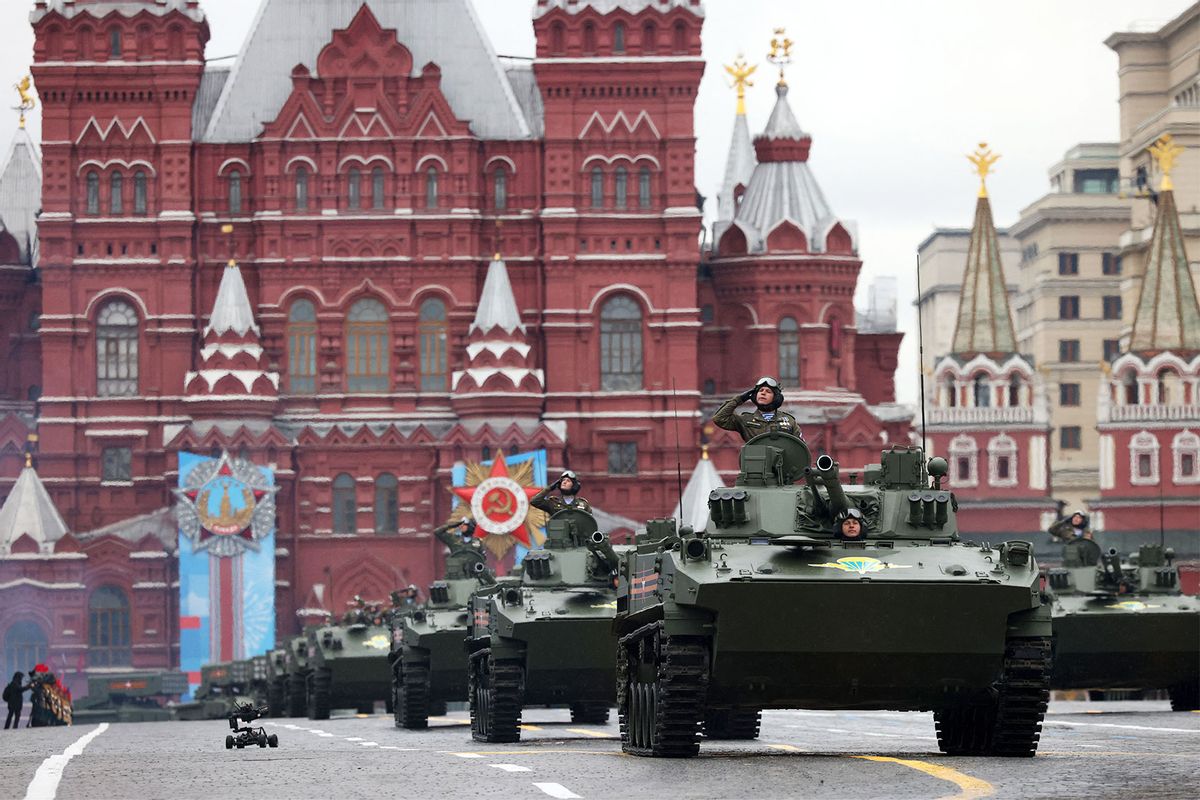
[678, 457]
[921, 357]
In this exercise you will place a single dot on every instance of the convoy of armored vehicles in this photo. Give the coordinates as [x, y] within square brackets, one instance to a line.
[348, 664]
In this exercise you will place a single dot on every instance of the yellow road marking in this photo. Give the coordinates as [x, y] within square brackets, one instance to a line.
[529, 727]
[786, 747]
[971, 787]
[594, 734]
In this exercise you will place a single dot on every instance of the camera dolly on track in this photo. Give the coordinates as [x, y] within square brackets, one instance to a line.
[245, 735]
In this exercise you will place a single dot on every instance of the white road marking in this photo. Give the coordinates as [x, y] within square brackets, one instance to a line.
[393, 747]
[353, 738]
[556, 790]
[1113, 725]
[45, 781]
[368, 744]
[511, 767]
[466, 755]
[325, 735]
[313, 730]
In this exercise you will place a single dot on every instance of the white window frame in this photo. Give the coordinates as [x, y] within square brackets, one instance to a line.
[963, 446]
[1185, 442]
[998, 447]
[1143, 443]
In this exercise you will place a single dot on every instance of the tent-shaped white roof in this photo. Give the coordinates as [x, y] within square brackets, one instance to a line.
[694, 506]
[497, 304]
[231, 309]
[29, 510]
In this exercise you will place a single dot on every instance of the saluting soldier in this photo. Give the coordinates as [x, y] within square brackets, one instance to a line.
[767, 396]
[568, 486]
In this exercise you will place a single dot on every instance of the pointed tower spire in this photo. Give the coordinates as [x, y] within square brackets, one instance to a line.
[693, 506]
[740, 163]
[500, 372]
[29, 511]
[984, 319]
[233, 366]
[1168, 313]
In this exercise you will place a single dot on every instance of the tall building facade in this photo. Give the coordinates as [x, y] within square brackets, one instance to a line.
[370, 249]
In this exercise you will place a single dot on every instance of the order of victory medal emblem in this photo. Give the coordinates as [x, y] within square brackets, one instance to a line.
[226, 506]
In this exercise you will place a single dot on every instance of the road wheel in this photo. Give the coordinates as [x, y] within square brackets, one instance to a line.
[412, 690]
[228, 742]
[496, 692]
[319, 684]
[297, 692]
[589, 713]
[262, 740]
[662, 688]
[1185, 696]
[273, 740]
[732, 723]
[1008, 723]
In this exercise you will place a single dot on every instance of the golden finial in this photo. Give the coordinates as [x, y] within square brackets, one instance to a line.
[740, 71]
[704, 452]
[1165, 151]
[28, 460]
[983, 158]
[227, 229]
[25, 90]
[781, 52]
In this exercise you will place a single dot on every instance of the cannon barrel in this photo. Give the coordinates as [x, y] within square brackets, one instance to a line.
[600, 547]
[825, 472]
[483, 574]
[1110, 564]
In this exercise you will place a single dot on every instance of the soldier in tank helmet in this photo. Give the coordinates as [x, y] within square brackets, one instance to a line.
[1072, 527]
[458, 534]
[767, 396]
[568, 486]
[850, 524]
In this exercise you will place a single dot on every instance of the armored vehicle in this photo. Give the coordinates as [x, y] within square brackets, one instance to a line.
[547, 638]
[212, 697]
[777, 604]
[260, 681]
[348, 666]
[277, 682]
[428, 665]
[239, 678]
[136, 696]
[1124, 626]
[296, 666]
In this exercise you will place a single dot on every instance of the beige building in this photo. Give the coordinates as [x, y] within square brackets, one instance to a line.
[1069, 308]
[943, 257]
[1159, 79]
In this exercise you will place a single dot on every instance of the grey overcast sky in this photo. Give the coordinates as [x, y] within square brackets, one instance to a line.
[893, 93]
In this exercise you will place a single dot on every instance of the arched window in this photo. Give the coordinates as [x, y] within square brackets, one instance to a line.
[301, 188]
[1002, 461]
[597, 187]
[175, 42]
[964, 458]
[431, 331]
[622, 187]
[354, 186]
[619, 38]
[93, 193]
[117, 350]
[982, 391]
[1143, 459]
[108, 628]
[116, 187]
[302, 348]
[951, 392]
[650, 38]
[620, 344]
[377, 189]
[367, 345]
[500, 189]
[345, 504]
[114, 43]
[1164, 390]
[235, 192]
[644, 188]
[681, 37]
[387, 512]
[558, 39]
[1132, 390]
[25, 644]
[431, 188]
[589, 39]
[139, 192]
[789, 352]
[1014, 390]
[1185, 449]
[85, 40]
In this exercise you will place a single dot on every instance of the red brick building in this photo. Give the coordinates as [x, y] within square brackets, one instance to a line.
[369, 160]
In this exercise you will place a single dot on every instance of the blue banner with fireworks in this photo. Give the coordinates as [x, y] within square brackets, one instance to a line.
[497, 494]
[226, 512]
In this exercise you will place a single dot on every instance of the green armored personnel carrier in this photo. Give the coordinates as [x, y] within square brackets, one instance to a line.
[1124, 626]
[212, 699]
[135, 696]
[240, 678]
[546, 640]
[277, 682]
[428, 664]
[259, 687]
[348, 663]
[783, 603]
[296, 666]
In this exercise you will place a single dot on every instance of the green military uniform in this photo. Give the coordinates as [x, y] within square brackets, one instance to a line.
[751, 424]
[1066, 530]
[464, 553]
[551, 503]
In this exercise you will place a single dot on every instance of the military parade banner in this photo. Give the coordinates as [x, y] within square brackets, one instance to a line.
[226, 513]
[496, 495]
